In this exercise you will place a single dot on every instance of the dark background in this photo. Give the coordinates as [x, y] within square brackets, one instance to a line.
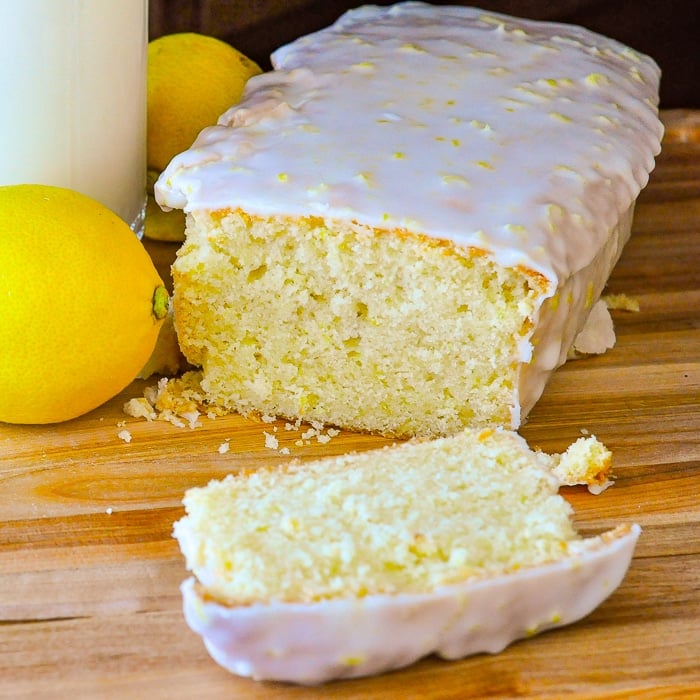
[667, 30]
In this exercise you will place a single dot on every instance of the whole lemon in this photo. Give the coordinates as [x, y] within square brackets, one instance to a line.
[80, 304]
[192, 80]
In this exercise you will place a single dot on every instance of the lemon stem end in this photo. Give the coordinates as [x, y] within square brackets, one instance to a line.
[160, 302]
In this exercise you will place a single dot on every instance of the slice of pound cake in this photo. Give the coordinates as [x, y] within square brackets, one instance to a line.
[359, 564]
[403, 227]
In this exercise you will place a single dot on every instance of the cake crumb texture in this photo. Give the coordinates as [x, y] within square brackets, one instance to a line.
[299, 339]
[407, 518]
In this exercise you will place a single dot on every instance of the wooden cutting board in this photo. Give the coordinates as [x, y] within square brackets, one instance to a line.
[89, 572]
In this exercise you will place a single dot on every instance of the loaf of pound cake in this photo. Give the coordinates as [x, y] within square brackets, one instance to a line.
[403, 227]
[359, 564]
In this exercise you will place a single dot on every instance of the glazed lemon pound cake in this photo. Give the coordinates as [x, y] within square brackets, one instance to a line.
[359, 564]
[403, 227]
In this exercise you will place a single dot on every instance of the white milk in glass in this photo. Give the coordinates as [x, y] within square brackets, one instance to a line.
[73, 98]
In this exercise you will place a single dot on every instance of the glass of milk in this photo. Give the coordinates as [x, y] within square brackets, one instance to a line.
[73, 98]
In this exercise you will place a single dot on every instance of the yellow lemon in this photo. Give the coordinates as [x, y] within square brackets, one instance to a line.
[192, 80]
[80, 304]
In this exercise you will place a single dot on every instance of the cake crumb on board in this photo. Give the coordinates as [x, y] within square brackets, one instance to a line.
[181, 402]
[621, 302]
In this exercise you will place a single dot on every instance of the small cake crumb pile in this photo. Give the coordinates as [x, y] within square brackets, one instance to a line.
[182, 402]
[316, 431]
[179, 400]
[271, 442]
[587, 461]
[621, 302]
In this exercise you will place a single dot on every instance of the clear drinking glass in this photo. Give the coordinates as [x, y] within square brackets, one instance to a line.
[73, 98]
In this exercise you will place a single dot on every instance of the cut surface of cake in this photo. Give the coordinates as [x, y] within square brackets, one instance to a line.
[403, 227]
[358, 564]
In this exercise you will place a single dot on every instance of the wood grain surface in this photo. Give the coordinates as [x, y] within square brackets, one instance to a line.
[89, 572]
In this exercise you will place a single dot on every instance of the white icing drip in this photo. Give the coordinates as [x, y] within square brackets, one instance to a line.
[560, 318]
[484, 129]
[598, 335]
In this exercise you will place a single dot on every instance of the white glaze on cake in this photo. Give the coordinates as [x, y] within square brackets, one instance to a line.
[490, 131]
[316, 642]
[528, 140]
